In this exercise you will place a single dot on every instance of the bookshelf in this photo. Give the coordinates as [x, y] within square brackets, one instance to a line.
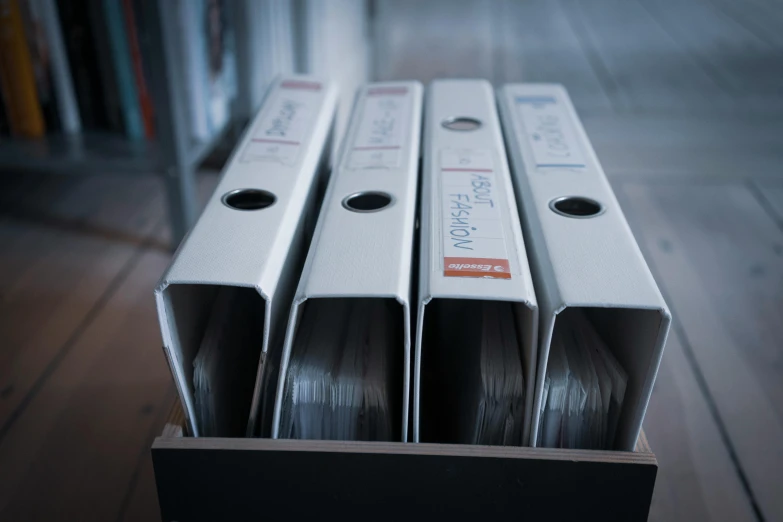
[107, 153]
[172, 154]
[90, 153]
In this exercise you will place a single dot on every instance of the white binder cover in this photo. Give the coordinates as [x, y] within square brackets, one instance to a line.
[367, 253]
[583, 253]
[285, 153]
[471, 239]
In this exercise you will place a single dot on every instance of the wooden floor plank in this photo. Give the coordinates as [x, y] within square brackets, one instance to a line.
[761, 17]
[66, 242]
[649, 145]
[72, 453]
[142, 495]
[434, 39]
[746, 65]
[117, 208]
[143, 505]
[718, 257]
[651, 71]
[771, 194]
[696, 478]
[538, 45]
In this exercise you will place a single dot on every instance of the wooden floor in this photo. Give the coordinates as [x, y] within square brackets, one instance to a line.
[684, 103]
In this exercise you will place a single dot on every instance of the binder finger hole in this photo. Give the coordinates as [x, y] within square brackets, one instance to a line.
[576, 207]
[461, 123]
[368, 201]
[249, 199]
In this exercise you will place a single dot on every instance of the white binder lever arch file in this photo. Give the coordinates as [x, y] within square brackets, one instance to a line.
[582, 252]
[344, 373]
[223, 301]
[477, 315]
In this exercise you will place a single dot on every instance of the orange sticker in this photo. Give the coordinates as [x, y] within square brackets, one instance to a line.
[476, 267]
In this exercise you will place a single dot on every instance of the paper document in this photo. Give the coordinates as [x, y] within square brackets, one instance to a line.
[583, 390]
[225, 364]
[344, 373]
[479, 381]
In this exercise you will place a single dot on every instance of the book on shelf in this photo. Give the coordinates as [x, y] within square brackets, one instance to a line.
[115, 119]
[81, 49]
[39, 47]
[192, 67]
[123, 67]
[221, 55]
[145, 100]
[17, 76]
[208, 48]
[53, 70]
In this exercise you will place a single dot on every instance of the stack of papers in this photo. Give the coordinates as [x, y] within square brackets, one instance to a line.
[583, 390]
[480, 369]
[500, 414]
[225, 365]
[344, 375]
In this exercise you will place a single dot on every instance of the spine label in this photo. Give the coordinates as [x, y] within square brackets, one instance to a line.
[550, 132]
[379, 140]
[279, 134]
[472, 231]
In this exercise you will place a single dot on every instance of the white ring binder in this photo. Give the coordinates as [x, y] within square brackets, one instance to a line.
[473, 267]
[593, 263]
[359, 263]
[255, 254]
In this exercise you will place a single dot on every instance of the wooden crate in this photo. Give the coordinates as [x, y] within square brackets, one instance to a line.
[212, 479]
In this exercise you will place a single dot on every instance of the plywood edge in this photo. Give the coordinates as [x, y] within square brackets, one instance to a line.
[642, 445]
[175, 422]
[173, 431]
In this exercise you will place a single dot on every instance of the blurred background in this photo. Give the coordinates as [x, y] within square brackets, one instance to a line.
[119, 114]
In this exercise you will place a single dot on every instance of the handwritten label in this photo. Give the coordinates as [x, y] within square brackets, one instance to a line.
[380, 137]
[550, 131]
[278, 136]
[473, 235]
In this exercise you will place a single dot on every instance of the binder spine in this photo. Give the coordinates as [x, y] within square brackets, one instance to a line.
[253, 233]
[583, 253]
[362, 246]
[471, 240]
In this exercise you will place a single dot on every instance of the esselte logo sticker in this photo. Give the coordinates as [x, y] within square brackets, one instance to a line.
[476, 267]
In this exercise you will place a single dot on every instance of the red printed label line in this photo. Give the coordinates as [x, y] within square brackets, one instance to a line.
[281, 142]
[466, 170]
[387, 91]
[389, 147]
[302, 85]
[476, 267]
